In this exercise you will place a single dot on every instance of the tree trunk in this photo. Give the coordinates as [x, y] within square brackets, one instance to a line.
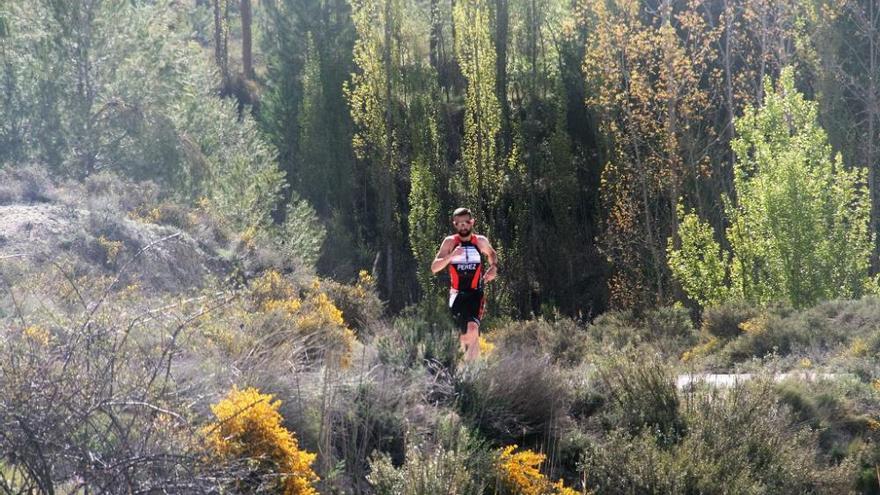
[873, 103]
[389, 203]
[220, 39]
[502, 20]
[436, 28]
[246, 39]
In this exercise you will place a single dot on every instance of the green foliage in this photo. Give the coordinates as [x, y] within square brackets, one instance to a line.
[516, 397]
[831, 328]
[425, 218]
[563, 340]
[740, 442]
[300, 236]
[668, 330]
[724, 320]
[799, 224]
[642, 394]
[421, 333]
[699, 264]
[95, 93]
[242, 183]
[136, 98]
[482, 117]
[455, 464]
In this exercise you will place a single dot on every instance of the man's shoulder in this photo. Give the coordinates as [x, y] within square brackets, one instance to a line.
[450, 239]
[481, 238]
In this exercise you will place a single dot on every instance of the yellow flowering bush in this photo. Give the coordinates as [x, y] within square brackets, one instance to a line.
[359, 303]
[248, 427]
[754, 325]
[314, 316]
[272, 289]
[702, 349]
[111, 248]
[146, 214]
[519, 473]
[38, 335]
[858, 348]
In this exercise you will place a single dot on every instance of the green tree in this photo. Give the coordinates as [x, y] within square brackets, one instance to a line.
[372, 96]
[426, 221]
[474, 48]
[136, 98]
[799, 223]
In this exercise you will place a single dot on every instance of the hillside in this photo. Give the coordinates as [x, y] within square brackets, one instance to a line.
[229, 230]
[111, 316]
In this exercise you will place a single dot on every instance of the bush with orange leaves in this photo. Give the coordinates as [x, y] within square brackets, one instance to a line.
[519, 474]
[248, 428]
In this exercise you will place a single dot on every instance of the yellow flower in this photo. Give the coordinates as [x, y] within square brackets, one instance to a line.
[248, 426]
[486, 347]
[858, 347]
[754, 325]
[701, 349]
[288, 306]
[520, 473]
[272, 286]
[111, 248]
[38, 335]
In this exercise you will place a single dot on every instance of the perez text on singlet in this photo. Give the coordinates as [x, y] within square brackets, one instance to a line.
[465, 269]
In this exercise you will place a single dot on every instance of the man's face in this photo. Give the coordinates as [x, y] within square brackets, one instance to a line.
[463, 225]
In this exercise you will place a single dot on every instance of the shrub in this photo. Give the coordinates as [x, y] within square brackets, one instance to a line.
[455, 464]
[819, 330]
[668, 329]
[421, 334]
[563, 341]
[618, 329]
[25, 184]
[87, 401]
[514, 397]
[299, 237]
[641, 394]
[368, 417]
[724, 320]
[739, 441]
[359, 303]
[519, 474]
[841, 411]
[312, 317]
[248, 427]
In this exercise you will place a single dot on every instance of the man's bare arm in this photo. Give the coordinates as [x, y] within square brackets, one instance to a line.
[492, 257]
[444, 256]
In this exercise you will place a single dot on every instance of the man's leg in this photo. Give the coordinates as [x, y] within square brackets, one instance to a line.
[472, 341]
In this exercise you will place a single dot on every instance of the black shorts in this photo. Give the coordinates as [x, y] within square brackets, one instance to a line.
[466, 307]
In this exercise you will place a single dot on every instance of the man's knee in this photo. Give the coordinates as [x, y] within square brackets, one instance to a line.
[473, 329]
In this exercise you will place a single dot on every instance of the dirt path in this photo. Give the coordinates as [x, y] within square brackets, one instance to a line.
[726, 380]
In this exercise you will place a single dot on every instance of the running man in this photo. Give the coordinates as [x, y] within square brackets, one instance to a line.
[461, 253]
